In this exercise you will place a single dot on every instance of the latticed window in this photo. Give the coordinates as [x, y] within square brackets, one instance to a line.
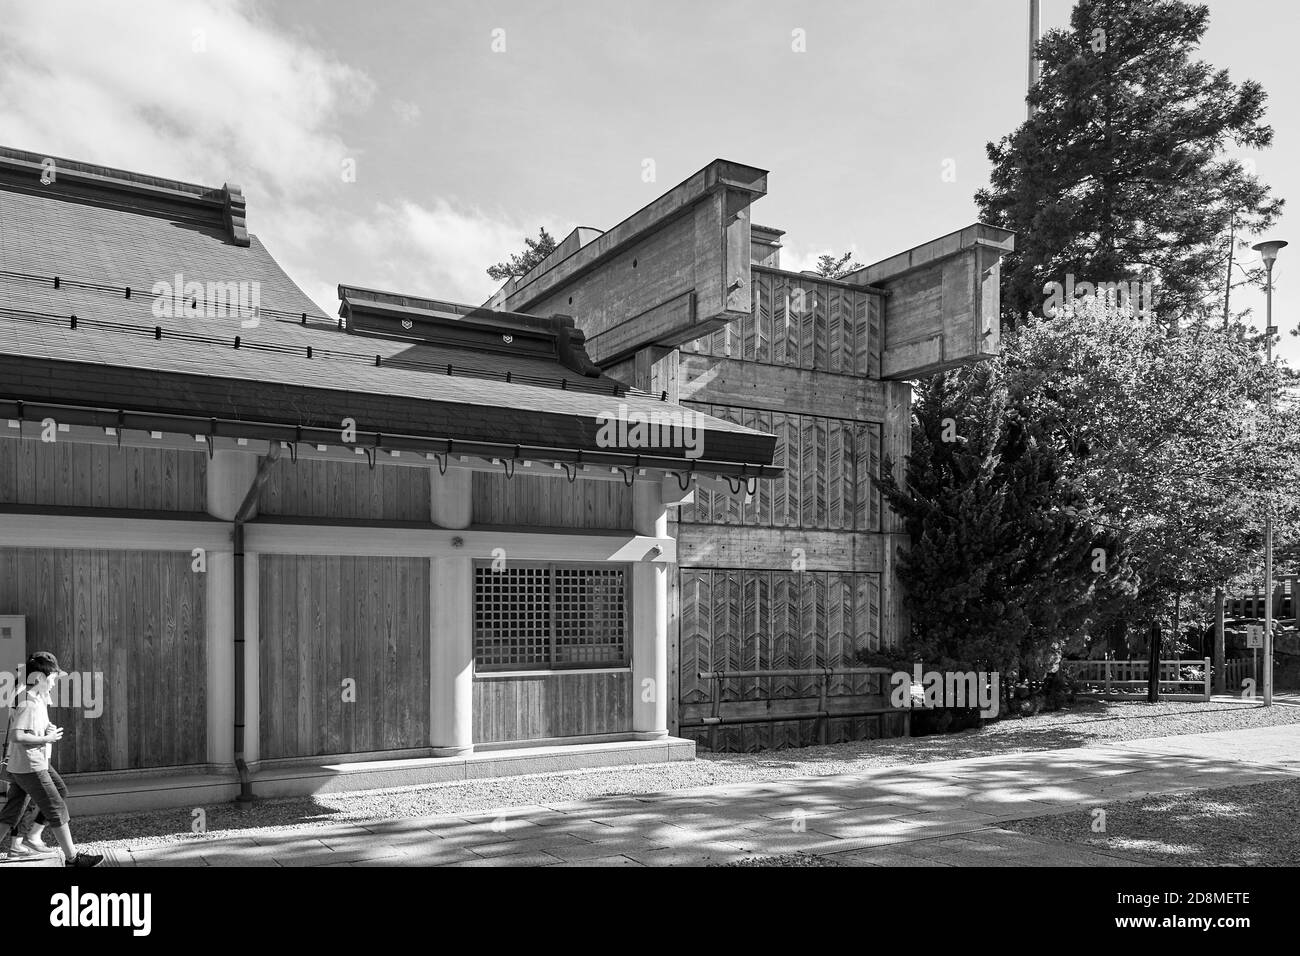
[544, 616]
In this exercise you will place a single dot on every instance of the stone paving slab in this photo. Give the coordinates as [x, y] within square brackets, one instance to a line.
[941, 814]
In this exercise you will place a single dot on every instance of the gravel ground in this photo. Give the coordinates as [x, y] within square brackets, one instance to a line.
[1088, 724]
[1253, 825]
[784, 859]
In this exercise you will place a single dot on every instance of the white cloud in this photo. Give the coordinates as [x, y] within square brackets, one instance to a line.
[407, 111]
[209, 91]
[187, 89]
[442, 250]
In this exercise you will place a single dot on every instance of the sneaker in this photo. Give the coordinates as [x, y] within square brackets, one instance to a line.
[21, 849]
[85, 859]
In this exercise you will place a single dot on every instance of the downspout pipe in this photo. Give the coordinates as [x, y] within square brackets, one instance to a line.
[245, 798]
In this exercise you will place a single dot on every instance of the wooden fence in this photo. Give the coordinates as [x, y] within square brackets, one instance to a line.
[1127, 680]
[828, 710]
[1237, 670]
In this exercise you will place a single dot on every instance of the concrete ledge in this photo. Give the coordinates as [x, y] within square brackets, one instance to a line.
[299, 778]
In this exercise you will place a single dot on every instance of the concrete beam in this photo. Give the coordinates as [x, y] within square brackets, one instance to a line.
[674, 270]
[942, 308]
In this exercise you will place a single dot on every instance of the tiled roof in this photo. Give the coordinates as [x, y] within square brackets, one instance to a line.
[77, 249]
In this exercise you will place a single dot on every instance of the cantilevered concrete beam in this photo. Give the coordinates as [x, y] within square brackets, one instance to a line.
[671, 272]
[942, 310]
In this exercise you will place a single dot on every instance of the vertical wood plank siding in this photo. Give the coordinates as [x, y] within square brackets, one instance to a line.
[325, 619]
[552, 705]
[68, 474]
[343, 489]
[773, 620]
[526, 500]
[828, 462]
[801, 322]
[135, 618]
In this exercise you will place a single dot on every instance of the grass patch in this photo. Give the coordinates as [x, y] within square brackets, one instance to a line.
[1253, 825]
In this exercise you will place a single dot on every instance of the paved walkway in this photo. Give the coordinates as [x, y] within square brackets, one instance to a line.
[937, 814]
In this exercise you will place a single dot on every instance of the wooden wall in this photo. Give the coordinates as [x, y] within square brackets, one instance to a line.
[552, 705]
[800, 576]
[64, 473]
[525, 500]
[828, 462]
[775, 620]
[135, 617]
[325, 619]
[801, 322]
[342, 489]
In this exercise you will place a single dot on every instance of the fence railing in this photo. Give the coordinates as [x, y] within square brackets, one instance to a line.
[1237, 670]
[1128, 680]
[823, 713]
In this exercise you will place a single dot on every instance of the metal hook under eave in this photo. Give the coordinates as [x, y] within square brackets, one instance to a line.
[370, 457]
[683, 479]
[442, 462]
[121, 421]
[570, 472]
[509, 466]
[629, 475]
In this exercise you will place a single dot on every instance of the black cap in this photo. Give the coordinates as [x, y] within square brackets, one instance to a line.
[44, 662]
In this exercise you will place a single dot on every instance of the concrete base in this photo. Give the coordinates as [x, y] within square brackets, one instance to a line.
[108, 793]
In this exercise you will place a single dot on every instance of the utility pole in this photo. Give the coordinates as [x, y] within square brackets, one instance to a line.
[1268, 250]
[1033, 60]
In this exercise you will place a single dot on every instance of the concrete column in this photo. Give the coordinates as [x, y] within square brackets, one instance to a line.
[451, 623]
[649, 619]
[252, 658]
[229, 475]
[219, 637]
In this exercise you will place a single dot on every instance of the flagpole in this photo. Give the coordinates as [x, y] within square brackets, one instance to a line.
[1033, 42]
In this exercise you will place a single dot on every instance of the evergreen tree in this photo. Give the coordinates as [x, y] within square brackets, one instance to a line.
[1003, 568]
[1120, 174]
[836, 268]
[535, 250]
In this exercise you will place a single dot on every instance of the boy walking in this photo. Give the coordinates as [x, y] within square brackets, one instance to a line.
[31, 738]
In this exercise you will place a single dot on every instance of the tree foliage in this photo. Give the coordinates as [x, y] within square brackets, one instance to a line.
[1092, 434]
[1002, 571]
[535, 250]
[833, 268]
[1121, 174]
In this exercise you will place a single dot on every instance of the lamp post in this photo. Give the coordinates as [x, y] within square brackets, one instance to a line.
[1268, 251]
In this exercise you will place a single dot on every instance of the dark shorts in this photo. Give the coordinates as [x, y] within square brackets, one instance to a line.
[48, 792]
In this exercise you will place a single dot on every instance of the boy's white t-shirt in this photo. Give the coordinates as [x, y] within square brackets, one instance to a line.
[34, 717]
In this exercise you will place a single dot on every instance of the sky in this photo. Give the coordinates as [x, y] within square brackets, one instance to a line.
[408, 144]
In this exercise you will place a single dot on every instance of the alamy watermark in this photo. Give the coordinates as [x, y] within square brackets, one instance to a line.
[1135, 297]
[947, 689]
[670, 428]
[210, 300]
[78, 690]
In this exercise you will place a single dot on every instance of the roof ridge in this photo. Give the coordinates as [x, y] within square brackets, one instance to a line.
[79, 181]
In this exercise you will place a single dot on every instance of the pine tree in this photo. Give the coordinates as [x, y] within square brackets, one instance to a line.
[1002, 571]
[1119, 176]
[535, 250]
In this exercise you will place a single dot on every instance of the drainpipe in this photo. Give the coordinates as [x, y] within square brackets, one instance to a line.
[245, 798]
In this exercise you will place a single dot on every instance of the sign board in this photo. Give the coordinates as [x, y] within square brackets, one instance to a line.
[13, 655]
[1254, 635]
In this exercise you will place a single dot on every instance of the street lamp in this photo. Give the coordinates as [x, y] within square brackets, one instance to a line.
[1268, 251]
